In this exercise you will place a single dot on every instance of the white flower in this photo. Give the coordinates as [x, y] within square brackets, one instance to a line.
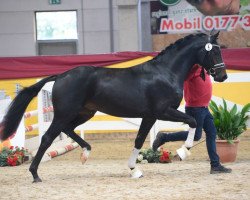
[140, 157]
[144, 162]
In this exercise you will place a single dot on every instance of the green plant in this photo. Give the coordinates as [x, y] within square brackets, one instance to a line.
[229, 123]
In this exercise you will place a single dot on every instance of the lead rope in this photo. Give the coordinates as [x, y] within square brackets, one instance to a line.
[202, 74]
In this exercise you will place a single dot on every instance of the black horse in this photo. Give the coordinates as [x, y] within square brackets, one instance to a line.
[152, 90]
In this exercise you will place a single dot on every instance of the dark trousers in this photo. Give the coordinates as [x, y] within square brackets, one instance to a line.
[204, 121]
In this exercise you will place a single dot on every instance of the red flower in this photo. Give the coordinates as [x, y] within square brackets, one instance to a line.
[164, 157]
[12, 160]
[165, 154]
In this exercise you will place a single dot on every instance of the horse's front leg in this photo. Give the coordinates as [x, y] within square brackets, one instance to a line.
[177, 116]
[144, 129]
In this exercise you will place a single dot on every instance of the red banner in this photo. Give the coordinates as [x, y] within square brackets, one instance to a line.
[38, 66]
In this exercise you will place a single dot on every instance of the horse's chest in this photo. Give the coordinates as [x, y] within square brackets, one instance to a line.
[168, 91]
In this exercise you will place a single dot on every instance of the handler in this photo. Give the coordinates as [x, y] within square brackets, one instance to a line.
[197, 95]
[216, 7]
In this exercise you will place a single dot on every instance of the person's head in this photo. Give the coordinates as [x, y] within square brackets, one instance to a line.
[217, 7]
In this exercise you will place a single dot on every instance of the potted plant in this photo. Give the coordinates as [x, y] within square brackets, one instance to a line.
[230, 124]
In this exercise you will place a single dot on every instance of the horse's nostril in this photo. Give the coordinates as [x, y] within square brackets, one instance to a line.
[225, 77]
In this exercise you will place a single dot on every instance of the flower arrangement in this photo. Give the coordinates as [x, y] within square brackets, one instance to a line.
[150, 156]
[12, 156]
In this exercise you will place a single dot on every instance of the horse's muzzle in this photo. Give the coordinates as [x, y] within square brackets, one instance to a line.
[224, 77]
[220, 78]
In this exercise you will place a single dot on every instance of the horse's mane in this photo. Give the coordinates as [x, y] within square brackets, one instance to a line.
[179, 44]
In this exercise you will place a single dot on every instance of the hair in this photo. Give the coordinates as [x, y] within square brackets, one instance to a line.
[180, 43]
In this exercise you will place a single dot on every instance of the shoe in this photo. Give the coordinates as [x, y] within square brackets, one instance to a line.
[158, 141]
[220, 169]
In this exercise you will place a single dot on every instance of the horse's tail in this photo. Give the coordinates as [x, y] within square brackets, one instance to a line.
[15, 112]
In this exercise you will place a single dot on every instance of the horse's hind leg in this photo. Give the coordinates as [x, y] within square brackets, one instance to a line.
[69, 130]
[74, 136]
[47, 139]
[84, 145]
[145, 127]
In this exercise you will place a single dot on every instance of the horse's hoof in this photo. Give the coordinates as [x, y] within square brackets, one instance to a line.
[136, 173]
[183, 152]
[37, 180]
[176, 158]
[84, 155]
[83, 158]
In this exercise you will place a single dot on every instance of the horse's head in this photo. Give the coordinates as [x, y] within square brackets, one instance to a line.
[210, 58]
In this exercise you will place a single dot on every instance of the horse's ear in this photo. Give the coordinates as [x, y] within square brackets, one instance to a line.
[215, 35]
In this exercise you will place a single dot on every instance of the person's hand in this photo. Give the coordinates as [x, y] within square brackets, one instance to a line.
[216, 7]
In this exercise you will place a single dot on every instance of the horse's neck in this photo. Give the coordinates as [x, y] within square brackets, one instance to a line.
[181, 64]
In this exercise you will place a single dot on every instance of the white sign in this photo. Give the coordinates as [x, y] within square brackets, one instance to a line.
[184, 18]
[208, 23]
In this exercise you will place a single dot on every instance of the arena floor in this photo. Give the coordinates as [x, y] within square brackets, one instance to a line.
[106, 176]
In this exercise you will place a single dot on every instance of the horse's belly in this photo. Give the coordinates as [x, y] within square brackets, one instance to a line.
[119, 110]
[122, 113]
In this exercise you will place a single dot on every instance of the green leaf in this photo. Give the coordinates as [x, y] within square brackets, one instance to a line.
[230, 141]
[224, 104]
[213, 106]
[245, 109]
[233, 111]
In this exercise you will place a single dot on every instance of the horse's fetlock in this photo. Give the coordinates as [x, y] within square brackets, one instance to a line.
[88, 147]
[32, 169]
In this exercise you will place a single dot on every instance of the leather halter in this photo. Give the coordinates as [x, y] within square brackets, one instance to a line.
[213, 69]
[216, 66]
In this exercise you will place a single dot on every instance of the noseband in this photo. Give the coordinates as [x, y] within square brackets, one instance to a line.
[216, 66]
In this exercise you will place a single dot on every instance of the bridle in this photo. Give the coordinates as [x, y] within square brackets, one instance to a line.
[212, 70]
[216, 66]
